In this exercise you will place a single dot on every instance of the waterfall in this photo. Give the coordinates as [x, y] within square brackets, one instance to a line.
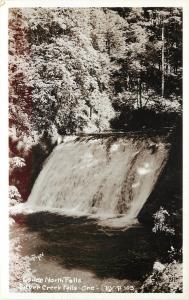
[105, 177]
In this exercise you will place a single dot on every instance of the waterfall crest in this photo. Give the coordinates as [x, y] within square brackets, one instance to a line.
[108, 178]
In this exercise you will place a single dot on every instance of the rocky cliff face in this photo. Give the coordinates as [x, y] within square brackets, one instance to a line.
[168, 189]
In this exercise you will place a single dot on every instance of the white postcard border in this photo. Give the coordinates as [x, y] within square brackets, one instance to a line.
[4, 292]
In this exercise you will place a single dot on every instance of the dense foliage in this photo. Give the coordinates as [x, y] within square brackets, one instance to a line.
[72, 69]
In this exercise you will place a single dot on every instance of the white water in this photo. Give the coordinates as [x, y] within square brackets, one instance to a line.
[110, 180]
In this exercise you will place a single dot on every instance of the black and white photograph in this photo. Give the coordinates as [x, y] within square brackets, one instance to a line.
[95, 149]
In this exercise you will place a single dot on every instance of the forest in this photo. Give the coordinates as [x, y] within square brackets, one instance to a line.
[91, 70]
[94, 69]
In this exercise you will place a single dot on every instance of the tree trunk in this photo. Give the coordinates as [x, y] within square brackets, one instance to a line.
[139, 93]
[163, 63]
[128, 83]
[90, 112]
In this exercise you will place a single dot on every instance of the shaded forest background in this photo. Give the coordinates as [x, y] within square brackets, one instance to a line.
[93, 69]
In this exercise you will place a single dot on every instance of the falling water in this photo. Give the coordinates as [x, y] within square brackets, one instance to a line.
[108, 178]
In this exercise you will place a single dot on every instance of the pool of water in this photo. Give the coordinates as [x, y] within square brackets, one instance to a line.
[78, 255]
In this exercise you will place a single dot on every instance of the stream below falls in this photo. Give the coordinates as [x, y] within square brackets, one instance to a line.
[78, 255]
